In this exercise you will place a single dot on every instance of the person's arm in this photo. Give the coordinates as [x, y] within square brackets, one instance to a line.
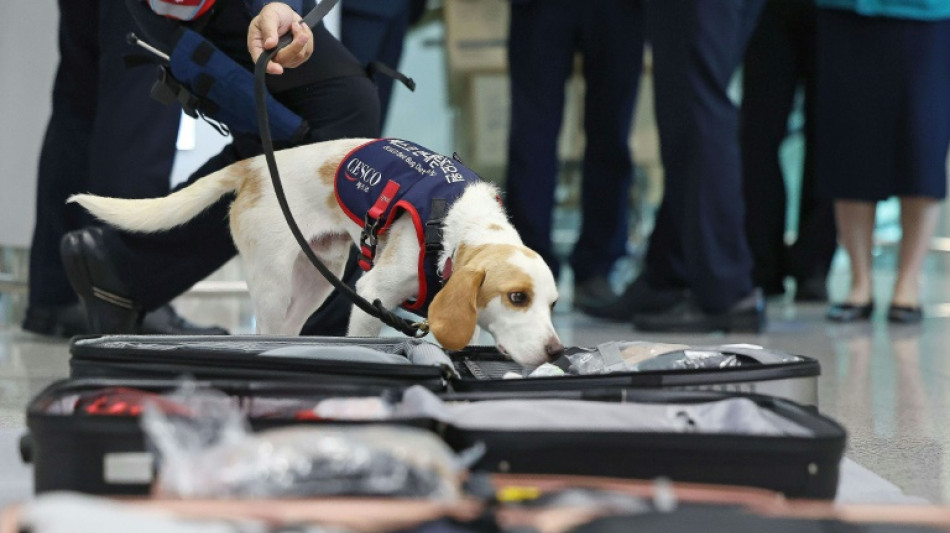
[275, 20]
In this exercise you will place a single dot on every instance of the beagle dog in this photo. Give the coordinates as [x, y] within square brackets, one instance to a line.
[489, 279]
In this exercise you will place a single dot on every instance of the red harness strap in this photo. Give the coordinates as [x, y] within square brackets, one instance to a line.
[368, 237]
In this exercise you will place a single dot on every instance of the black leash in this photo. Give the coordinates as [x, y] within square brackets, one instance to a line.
[375, 309]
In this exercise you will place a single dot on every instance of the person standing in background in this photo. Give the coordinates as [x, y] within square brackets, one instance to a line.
[697, 274]
[779, 60]
[105, 136]
[375, 31]
[544, 37]
[883, 129]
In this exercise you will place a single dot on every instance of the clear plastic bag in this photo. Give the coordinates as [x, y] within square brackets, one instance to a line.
[212, 454]
[640, 356]
[619, 356]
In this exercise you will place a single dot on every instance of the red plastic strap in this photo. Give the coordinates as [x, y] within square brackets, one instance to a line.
[385, 198]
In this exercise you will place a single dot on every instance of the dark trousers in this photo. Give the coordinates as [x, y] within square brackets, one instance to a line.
[159, 267]
[105, 135]
[780, 59]
[698, 241]
[376, 35]
[544, 36]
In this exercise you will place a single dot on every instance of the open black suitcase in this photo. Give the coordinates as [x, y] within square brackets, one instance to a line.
[694, 436]
[393, 362]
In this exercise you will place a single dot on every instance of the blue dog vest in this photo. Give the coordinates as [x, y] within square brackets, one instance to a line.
[379, 180]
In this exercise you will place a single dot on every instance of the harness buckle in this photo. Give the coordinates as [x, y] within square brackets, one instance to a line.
[368, 242]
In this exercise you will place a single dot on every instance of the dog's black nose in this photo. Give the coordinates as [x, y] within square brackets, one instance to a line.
[554, 349]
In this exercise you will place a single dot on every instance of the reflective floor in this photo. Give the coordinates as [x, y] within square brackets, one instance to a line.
[888, 385]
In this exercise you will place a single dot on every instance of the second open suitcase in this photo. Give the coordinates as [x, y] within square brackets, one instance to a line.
[401, 362]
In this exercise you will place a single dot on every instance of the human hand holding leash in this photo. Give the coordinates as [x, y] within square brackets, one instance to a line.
[275, 20]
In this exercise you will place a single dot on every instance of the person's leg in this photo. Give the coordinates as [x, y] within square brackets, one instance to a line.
[919, 218]
[612, 44]
[769, 81]
[377, 37]
[64, 156]
[809, 258]
[132, 149]
[123, 146]
[697, 47]
[855, 221]
[541, 56]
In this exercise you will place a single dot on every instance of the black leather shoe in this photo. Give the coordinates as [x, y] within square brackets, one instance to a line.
[845, 312]
[66, 321]
[747, 315]
[90, 272]
[165, 321]
[62, 321]
[107, 307]
[811, 289]
[638, 297]
[900, 314]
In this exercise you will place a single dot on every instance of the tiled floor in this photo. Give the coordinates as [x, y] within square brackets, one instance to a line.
[889, 386]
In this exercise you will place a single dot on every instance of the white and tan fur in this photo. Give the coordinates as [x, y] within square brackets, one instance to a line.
[490, 265]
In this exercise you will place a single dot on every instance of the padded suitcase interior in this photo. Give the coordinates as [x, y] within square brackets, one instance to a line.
[687, 435]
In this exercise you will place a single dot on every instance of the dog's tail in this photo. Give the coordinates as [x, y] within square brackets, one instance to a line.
[152, 215]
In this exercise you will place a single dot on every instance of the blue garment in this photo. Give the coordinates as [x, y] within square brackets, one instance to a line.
[883, 107]
[905, 9]
[698, 238]
[545, 35]
[387, 177]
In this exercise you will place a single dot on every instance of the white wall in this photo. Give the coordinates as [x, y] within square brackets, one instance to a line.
[28, 58]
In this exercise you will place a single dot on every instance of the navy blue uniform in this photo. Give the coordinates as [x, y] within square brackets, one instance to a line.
[699, 241]
[544, 36]
[105, 136]
[375, 30]
[780, 59]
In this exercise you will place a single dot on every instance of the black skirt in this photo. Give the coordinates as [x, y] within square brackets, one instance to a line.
[883, 107]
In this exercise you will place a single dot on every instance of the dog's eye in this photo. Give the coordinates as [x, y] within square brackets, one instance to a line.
[518, 298]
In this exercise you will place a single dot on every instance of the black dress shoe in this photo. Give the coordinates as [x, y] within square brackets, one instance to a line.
[62, 321]
[65, 321]
[747, 315]
[90, 272]
[165, 321]
[638, 297]
[846, 312]
[901, 314]
[811, 289]
[105, 300]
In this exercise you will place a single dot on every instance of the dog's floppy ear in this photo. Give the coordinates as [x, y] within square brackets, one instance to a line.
[452, 313]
